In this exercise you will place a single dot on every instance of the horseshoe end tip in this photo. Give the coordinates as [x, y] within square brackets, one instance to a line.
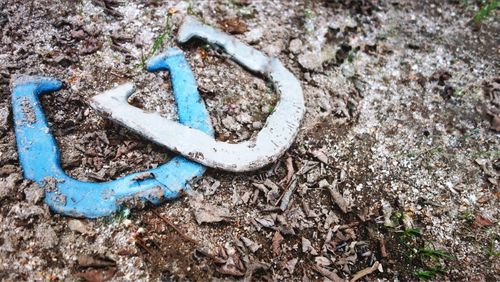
[188, 29]
[121, 92]
[158, 62]
[43, 83]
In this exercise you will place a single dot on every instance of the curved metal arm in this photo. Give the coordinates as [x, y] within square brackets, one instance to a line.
[39, 155]
[270, 143]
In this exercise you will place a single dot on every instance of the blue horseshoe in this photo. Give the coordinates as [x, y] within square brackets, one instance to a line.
[39, 154]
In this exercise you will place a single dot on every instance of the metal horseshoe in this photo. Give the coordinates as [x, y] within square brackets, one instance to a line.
[270, 143]
[39, 155]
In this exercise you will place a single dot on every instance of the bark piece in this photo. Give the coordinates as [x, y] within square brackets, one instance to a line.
[336, 196]
[328, 274]
[362, 273]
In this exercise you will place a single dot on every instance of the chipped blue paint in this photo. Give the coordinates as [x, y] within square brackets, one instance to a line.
[40, 157]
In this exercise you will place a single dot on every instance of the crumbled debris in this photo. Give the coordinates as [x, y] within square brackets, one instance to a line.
[34, 193]
[8, 185]
[7, 170]
[46, 236]
[254, 35]
[441, 76]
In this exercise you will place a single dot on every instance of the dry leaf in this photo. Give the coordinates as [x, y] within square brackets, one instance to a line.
[289, 172]
[482, 221]
[321, 156]
[495, 123]
[233, 26]
[230, 269]
[208, 213]
[254, 267]
[322, 261]
[90, 45]
[172, 10]
[307, 247]
[250, 244]
[277, 238]
[336, 196]
[265, 221]
[290, 265]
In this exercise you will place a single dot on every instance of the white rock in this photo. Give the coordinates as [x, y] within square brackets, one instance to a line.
[295, 46]
[230, 123]
[4, 118]
[257, 125]
[80, 226]
[254, 35]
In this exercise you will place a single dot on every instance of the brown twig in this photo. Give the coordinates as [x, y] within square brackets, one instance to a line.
[327, 273]
[177, 229]
[336, 196]
[289, 172]
[345, 226]
[362, 273]
[143, 245]
[287, 195]
[383, 250]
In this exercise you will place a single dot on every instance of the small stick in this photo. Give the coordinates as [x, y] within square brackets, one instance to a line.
[289, 172]
[362, 273]
[288, 194]
[183, 235]
[327, 273]
[383, 250]
[143, 245]
[345, 226]
[336, 196]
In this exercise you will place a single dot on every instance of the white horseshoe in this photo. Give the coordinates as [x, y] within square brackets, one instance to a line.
[270, 143]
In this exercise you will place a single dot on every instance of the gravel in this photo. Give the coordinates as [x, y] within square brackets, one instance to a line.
[399, 144]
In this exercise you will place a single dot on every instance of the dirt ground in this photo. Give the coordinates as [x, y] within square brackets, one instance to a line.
[394, 175]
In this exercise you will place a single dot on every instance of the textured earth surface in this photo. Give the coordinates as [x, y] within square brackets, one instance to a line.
[394, 174]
